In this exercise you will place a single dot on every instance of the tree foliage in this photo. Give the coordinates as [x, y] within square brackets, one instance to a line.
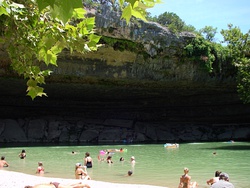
[171, 21]
[34, 32]
[239, 50]
[208, 32]
[201, 50]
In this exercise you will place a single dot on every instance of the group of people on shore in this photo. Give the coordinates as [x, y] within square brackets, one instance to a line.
[220, 180]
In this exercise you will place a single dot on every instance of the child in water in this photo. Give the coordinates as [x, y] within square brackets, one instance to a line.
[40, 168]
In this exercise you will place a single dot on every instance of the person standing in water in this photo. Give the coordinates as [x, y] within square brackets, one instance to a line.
[22, 155]
[88, 162]
[132, 161]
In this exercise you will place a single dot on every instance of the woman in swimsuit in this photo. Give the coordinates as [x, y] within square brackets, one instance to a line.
[81, 172]
[185, 180]
[88, 162]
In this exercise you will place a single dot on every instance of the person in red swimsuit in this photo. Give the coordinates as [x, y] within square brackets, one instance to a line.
[40, 168]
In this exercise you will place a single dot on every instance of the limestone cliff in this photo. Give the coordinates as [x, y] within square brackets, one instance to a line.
[139, 85]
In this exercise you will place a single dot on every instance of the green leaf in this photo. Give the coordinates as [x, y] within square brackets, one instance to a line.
[79, 13]
[51, 2]
[31, 83]
[3, 11]
[136, 3]
[57, 48]
[138, 14]
[51, 58]
[92, 46]
[33, 92]
[94, 38]
[48, 41]
[90, 22]
[40, 80]
[75, 3]
[42, 4]
[35, 70]
[131, 2]
[126, 14]
[148, 3]
[42, 54]
[62, 11]
[121, 2]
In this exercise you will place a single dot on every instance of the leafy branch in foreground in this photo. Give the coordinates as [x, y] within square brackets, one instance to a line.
[35, 38]
[36, 31]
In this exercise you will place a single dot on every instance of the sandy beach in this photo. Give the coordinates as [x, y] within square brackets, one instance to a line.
[11, 179]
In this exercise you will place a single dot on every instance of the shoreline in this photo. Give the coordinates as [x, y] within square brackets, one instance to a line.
[20, 180]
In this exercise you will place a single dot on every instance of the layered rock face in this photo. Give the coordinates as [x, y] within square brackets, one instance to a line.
[121, 96]
[77, 113]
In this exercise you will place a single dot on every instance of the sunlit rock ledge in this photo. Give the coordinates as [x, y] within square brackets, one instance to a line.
[155, 38]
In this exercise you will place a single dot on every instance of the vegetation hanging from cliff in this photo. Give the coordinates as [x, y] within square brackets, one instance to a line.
[234, 57]
[122, 45]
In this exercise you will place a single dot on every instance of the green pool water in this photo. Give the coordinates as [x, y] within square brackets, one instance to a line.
[155, 165]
